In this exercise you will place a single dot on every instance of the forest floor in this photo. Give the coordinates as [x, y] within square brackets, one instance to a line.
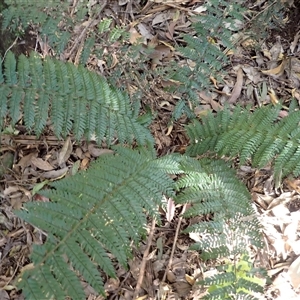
[254, 77]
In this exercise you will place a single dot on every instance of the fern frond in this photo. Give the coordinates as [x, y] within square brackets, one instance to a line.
[19, 15]
[259, 136]
[205, 47]
[234, 281]
[74, 99]
[211, 186]
[90, 214]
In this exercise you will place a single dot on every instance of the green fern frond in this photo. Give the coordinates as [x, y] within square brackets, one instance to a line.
[235, 281]
[49, 19]
[211, 187]
[90, 214]
[205, 47]
[259, 136]
[74, 99]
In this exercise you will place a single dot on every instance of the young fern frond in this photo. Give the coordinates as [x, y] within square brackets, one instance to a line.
[259, 136]
[75, 100]
[92, 213]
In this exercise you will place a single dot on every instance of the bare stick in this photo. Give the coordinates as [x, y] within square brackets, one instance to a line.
[144, 261]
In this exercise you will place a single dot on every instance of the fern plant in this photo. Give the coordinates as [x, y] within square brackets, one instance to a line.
[102, 209]
[211, 187]
[72, 98]
[51, 19]
[90, 214]
[258, 136]
[236, 280]
[205, 49]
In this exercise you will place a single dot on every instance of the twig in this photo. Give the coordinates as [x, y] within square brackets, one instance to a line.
[14, 42]
[174, 245]
[144, 261]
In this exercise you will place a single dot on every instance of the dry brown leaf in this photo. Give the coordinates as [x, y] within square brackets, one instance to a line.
[25, 161]
[278, 71]
[273, 97]
[96, 151]
[41, 164]
[84, 163]
[65, 152]
[55, 174]
[134, 36]
[236, 92]
[294, 273]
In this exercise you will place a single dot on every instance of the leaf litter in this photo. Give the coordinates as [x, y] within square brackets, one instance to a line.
[171, 270]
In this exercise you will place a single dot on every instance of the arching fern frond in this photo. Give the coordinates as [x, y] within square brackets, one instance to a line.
[74, 99]
[211, 186]
[259, 136]
[92, 213]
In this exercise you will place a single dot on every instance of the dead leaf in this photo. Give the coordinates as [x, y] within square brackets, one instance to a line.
[170, 210]
[65, 152]
[294, 273]
[278, 71]
[96, 151]
[55, 174]
[41, 164]
[273, 97]
[134, 36]
[236, 92]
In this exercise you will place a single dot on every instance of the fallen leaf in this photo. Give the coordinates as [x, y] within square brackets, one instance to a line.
[65, 152]
[170, 210]
[55, 174]
[96, 151]
[294, 273]
[41, 164]
[236, 92]
[276, 71]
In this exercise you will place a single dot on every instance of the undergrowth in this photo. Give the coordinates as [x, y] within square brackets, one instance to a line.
[93, 216]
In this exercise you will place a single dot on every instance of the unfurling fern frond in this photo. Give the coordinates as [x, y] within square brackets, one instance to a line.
[90, 214]
[258, 136]
[73, 98]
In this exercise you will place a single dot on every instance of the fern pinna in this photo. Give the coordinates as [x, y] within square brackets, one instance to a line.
[74, 99]
[260, 136]
[90, 214]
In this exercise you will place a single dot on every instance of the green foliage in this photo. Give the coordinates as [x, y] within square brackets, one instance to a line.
[258, 136]
[205, 48]
[237, 281]
[90, 214]
[211, 187]
[102, 209]
[74, 99]
[49, 16]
